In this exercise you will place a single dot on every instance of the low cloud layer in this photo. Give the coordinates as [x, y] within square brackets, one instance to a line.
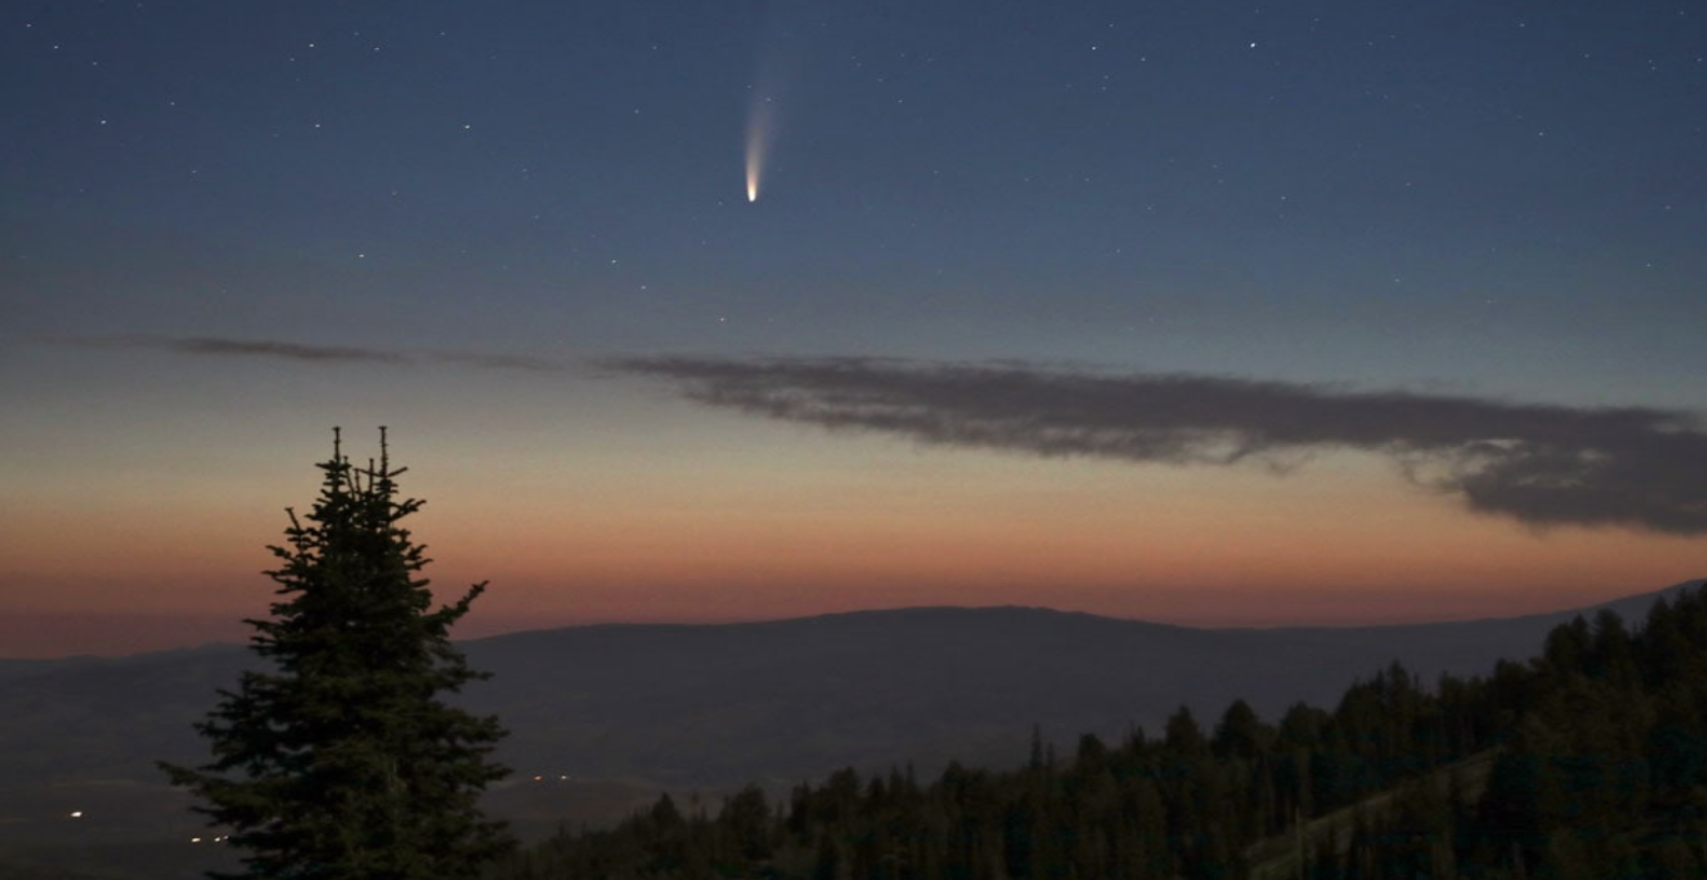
[292, 351]
[1540, 465]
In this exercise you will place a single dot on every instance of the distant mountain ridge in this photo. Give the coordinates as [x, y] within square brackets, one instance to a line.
[681, 704]
[796, 697]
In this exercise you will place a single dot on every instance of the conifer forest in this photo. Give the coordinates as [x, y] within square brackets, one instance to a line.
[1587, 761]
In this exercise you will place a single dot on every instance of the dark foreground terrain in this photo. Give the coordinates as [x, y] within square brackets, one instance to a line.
[604, 718]
[1588, 760]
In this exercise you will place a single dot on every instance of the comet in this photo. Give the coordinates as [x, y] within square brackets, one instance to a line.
[759, 133]
[780, 50]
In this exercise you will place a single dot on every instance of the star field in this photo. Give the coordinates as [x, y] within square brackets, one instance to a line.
[1503, 201]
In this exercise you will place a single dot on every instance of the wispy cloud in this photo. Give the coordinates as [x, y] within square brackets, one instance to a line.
[287, 350]
[1542, 465]
[293, 351]
[494, 361]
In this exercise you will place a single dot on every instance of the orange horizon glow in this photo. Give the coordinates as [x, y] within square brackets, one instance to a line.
[693, 567]
[762, 524]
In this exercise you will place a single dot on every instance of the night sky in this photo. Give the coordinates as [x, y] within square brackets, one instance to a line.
[1318, 312]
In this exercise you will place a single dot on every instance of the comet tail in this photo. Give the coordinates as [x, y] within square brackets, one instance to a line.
[758, 139]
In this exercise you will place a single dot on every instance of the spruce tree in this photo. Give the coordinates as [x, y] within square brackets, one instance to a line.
[339, 759]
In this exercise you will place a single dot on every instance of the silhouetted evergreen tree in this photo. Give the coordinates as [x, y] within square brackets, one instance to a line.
[1240, 734]
[338, 760]
[747, 816]
[1183, 736]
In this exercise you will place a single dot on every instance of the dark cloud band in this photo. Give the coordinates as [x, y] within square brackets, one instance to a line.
[1539, 464]
[293, 351]
[286, 350]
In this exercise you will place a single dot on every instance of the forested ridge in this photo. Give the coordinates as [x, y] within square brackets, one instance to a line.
[1588, 761]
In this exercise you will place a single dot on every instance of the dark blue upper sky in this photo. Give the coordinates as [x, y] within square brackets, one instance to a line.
[1459, 191]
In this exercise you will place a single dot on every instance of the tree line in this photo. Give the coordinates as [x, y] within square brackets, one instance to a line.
[1588, 761]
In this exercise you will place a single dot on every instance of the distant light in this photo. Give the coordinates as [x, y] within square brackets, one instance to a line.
[195, 840]
[76, 814]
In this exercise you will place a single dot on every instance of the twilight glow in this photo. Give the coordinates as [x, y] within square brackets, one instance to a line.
[1371, 312]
